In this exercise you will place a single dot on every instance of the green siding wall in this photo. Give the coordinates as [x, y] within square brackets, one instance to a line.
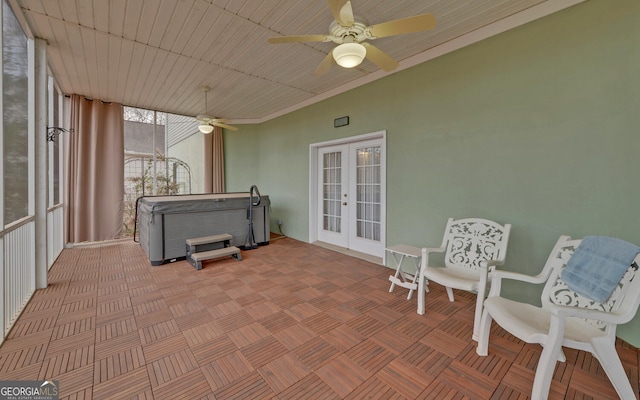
[538, 127]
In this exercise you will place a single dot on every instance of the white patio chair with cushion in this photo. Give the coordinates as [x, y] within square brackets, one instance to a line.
[472, 248]
[567, 318]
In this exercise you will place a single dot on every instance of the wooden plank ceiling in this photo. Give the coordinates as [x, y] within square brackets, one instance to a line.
[157, 54]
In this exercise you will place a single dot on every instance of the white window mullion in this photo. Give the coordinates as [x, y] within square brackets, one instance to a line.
[3, 318]
[50, 146]
[32, 127]
[38, 141]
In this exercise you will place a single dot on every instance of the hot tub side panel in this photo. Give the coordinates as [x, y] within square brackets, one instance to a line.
[180, 227]
[151, 228]
[164, 230]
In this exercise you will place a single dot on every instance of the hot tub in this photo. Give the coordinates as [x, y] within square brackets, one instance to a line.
[165, 222]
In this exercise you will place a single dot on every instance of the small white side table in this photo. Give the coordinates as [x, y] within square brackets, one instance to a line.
[404, 278]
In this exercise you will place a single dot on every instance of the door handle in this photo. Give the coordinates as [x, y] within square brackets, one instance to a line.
[344, 204]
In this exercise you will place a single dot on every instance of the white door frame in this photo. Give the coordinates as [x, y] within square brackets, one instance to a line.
[313, 181]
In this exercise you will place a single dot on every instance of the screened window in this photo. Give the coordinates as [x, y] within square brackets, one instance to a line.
[55, 165]
[15, 117]
[147, 169]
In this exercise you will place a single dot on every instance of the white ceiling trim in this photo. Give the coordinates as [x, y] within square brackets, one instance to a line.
[506, 24]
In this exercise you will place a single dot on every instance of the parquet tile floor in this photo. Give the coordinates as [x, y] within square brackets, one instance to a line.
[289, 321]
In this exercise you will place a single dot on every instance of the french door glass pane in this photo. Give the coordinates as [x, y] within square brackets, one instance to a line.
[368, 187]
[332, 189]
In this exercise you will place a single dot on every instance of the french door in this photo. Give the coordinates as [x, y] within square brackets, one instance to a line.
[351, 196]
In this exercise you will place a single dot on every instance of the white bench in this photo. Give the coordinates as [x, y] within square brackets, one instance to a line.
[196, 257]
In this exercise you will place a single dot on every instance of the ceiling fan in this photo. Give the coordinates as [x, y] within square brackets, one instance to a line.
[350, 32]
[207, 122]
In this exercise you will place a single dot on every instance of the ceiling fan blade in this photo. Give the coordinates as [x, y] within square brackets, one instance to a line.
[225, 126]
[203, 118]
[380, 58]
[342, 12]
[325, 65]
[299, 38]
[416, 23]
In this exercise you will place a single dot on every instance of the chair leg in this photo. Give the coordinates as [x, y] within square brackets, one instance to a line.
[561, 356]
[547, 363]
[422, 289]
[605, 352]
[450, 294]
[477, 317]
[544, 373]
[484, 331]
[422, 280]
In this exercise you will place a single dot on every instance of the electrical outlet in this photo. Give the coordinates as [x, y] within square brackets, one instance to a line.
[279, 222]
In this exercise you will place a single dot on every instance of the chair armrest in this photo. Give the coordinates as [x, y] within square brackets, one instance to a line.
[498, 275]
[540, 278]
[491, 263]
[568, 311]
[434, 249]
[516, 276]
[424, 262]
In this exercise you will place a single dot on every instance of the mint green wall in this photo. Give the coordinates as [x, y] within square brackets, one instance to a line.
[537, 127]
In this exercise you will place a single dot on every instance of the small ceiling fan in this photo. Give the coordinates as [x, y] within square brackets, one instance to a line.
[350, 32]
[207, 122]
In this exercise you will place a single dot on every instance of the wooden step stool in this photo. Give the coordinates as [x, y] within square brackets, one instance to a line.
[196, 258]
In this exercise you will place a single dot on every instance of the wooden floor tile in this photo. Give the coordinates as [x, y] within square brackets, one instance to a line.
[343, 375]
[310, 387]
[249, 386]
[405, 378]
[284, 372]
[314, 325]
[316, 352]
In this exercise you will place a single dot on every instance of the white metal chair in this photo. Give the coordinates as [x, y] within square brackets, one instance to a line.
[473, 247]
[565, 319]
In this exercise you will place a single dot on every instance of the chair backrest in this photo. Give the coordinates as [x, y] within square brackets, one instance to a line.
[623, 302]
[470, 241]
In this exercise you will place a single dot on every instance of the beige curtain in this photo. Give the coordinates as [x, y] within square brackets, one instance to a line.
[214, 162]
[95, 176]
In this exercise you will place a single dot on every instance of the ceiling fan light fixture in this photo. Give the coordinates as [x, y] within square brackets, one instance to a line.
[205, 128]
[349, 55]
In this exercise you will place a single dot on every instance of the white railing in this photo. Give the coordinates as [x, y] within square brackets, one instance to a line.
[18, 270]
[55, 233]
